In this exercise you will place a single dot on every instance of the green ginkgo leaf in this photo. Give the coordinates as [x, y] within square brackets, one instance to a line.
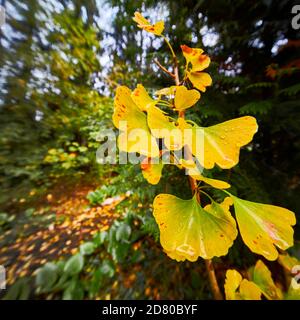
[237, 288]
[188, 231]
[264, 227]
[262, 277]
[293, 292]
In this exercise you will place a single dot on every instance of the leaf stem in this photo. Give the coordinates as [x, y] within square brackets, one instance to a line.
[210, 198]
[171, 48]
[175, 61]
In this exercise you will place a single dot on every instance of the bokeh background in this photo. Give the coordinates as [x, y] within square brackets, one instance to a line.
[88, 228]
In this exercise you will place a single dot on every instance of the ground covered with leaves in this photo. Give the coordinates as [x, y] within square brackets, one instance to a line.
[51, 232]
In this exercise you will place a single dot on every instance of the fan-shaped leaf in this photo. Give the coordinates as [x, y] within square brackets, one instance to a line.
[263, 227]
[220, 144]
[195, 56]
[188, 231]
[262, 277]
[200, 80]
[165, 127]
[152, 171]
[141, 98]
[185, 98]
[143, 23]
[287, 261]
[247, 289]
[137, 136]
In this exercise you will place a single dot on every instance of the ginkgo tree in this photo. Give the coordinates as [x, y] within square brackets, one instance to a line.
[189, 230]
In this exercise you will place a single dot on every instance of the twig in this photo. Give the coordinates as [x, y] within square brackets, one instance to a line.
[176, 73]
[213, 279]
[164, 69]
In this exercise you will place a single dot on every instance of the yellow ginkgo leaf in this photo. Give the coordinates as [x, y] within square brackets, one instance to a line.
[220, 144]
[193, 171]
[247, 289]
[232, 283]
[142, 98]
[293, 291]
[188, 231]
[152, 170]
[200, 80]
[169, 91]
[163, 126]
[196, 57]
[185, 98]
[287, 261]
[135, 135]
[264, 226]
[262, 277]
[144, 24]
[199, 62]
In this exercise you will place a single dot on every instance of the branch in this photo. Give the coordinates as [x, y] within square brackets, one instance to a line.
[164, 69]
[213, 280]
[194, 187]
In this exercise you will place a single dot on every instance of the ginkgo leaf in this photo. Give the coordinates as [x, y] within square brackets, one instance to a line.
[264, 226]
[220, 144]
[138, 141]
[218, 184]
[185, 98]
[193, 171]
[262, 277]
[196, 57]
[136, 136]
[200, 80]
[143, 23]
[126, 110]
[293, 292]
[287, 261]
[152, 170]
[199, 62]
[169, 91]
[142, 98]
[247, 289]
[294, 289]
[232, 283]
[165, 127]
[188, 231]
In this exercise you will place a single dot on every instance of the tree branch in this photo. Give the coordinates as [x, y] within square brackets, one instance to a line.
[164, 69]
[213, 280]
[194, 187]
